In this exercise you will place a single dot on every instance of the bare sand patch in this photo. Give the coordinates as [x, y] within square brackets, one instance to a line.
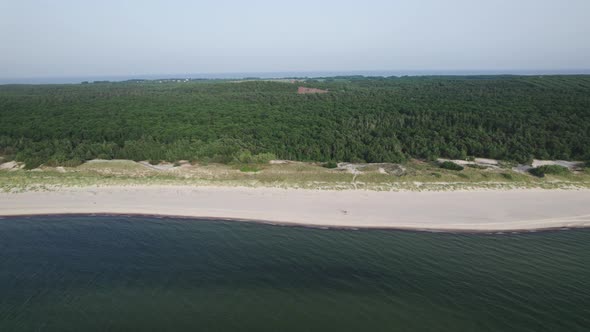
[303, 90]
[571, 165]
[11, 165]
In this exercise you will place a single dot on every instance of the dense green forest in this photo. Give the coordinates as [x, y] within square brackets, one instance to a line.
[370, 119]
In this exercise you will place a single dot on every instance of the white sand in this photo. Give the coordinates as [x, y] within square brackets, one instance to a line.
[568, 164]
[11, 166]
[453, 211]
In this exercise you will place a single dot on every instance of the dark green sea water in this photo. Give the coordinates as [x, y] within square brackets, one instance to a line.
[149, 274]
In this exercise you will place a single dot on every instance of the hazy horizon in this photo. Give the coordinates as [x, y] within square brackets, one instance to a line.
[134, 39]
[273, 75]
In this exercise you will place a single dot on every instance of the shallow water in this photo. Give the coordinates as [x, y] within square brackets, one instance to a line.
[154, 274]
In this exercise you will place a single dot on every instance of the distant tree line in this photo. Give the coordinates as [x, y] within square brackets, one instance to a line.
[360, 119]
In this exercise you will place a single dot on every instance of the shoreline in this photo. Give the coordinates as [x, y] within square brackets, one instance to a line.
[302, 225]
[446, 211]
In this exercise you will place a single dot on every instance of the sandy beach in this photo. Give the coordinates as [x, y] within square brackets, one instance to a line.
[508, 210]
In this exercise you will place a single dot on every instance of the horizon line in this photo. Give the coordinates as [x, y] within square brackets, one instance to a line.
[71, 79]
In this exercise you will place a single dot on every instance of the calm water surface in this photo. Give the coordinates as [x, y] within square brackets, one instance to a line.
[138, 273]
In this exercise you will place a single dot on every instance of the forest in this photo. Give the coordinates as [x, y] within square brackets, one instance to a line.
[360, 119]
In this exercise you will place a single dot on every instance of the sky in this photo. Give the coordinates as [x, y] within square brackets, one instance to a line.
[62, 38]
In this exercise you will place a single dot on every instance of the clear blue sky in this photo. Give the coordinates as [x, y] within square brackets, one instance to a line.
[129, 37]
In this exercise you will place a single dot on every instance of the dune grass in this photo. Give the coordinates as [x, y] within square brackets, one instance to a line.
[413, 175]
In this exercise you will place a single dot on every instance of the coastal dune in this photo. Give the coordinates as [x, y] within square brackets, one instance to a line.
[470, 211]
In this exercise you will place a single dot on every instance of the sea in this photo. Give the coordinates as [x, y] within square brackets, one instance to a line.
[139, 273]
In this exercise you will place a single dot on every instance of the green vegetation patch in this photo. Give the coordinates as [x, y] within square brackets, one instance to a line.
[330, 164]
[549, 169]
[249, 169]
[507, 176]
[451, 166]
